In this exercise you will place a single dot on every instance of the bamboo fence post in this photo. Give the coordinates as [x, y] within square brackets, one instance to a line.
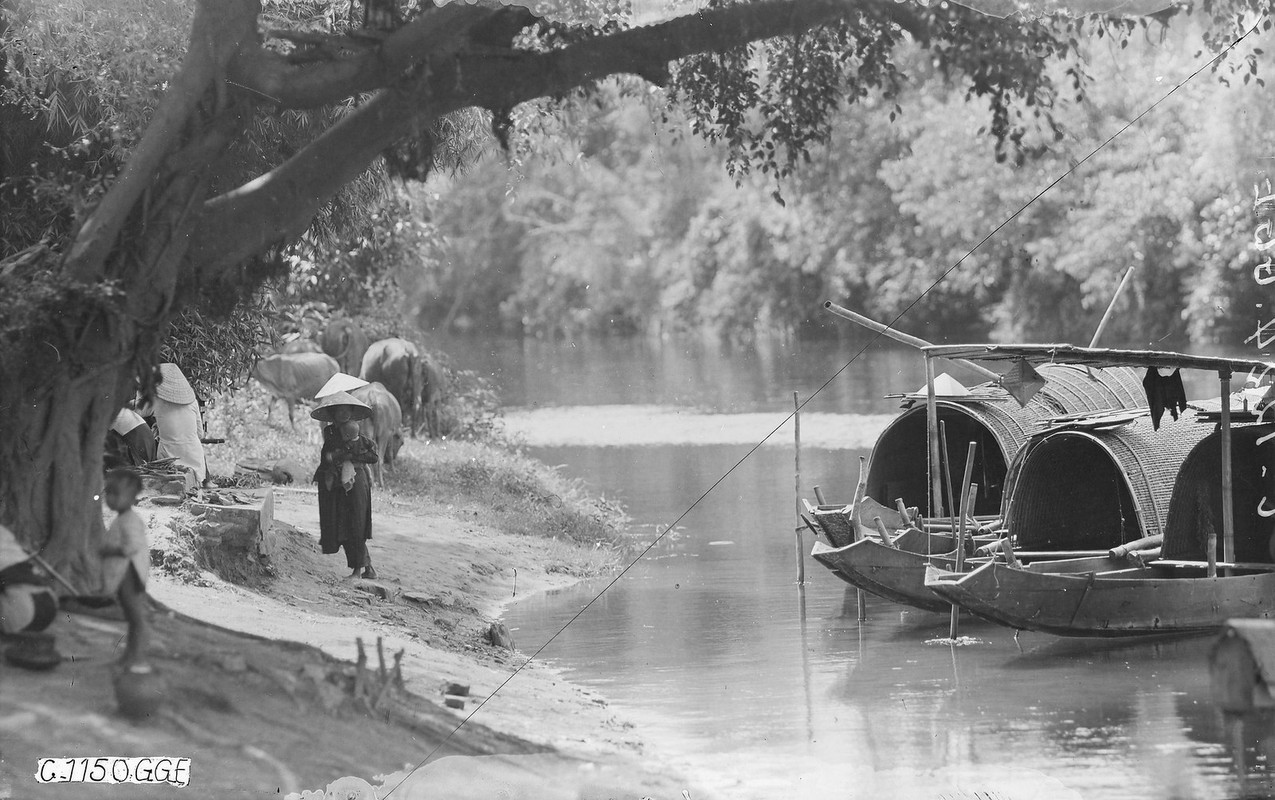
[796, 418]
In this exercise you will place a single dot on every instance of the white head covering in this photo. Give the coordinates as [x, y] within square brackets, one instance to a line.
[173, 385]
[10, 551]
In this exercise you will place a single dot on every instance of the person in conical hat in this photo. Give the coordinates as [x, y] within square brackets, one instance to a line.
[345, 501]
[177, 418]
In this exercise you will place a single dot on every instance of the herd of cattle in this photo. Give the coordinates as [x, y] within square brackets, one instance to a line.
[405, 386]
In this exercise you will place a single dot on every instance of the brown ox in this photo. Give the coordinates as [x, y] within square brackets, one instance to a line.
[395, 363]
[345, 341]
[384, 426]
[433, 384]
[293, 377]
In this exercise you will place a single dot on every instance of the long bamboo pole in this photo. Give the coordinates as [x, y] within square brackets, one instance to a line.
[1111, 307]
[954, 622]
[899, 336]
[796, 484]
[932, 435]
[947, 477]
[1228, 496]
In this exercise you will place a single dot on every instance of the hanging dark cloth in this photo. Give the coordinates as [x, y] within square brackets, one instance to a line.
[1165, 392]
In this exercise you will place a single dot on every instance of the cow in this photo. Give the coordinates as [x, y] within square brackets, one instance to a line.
[293, 377]
[384, 426]
[345, 341]
[396, 364]
[301, 345]
[433, 384]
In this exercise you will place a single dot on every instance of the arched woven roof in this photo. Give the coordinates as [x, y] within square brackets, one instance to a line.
[1001, 426]
[1196, 506]
[1082, 489]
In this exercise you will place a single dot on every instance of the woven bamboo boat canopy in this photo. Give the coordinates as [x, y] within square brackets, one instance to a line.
[1037, 354]
[1196, 505]
[1086, 489]
[999, 426]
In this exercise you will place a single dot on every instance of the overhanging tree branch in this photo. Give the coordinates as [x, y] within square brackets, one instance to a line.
[216, 33]
[435, 33]
[280, 204]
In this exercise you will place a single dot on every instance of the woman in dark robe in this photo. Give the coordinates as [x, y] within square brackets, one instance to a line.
[345, 514]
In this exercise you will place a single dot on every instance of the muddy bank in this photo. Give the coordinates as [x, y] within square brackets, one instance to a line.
[251, 699]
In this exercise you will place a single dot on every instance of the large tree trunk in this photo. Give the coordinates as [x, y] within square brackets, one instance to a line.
[91, 342]
[52, 463]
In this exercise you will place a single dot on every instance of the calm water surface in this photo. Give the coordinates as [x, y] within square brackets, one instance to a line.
[754, 688]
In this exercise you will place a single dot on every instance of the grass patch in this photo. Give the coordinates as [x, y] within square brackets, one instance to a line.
[490, 482]
[507, 490]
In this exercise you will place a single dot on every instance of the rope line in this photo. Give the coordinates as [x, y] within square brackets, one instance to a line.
[877, 336]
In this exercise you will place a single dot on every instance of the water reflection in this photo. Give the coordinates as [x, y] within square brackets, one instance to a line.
[756, 688]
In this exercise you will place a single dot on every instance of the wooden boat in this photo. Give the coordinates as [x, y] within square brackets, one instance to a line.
[1075, 491]
[987, 414]
[999, 426]
[895, 572]
[898, 573]
[1071, 599]
[1190, 588]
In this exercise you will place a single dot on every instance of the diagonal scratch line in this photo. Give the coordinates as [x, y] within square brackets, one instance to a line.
[812, 396]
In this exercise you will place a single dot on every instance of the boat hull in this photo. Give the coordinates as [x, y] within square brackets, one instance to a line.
[895, 574]
[1117, 603]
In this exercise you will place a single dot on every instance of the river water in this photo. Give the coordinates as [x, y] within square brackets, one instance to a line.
[753, 687]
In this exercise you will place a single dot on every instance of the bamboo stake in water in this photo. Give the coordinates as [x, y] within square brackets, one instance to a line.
[796, 419]
[960, 531]
[968, 502]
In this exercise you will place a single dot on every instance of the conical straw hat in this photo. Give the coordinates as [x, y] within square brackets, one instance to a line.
[358, 409]
[946, 386]
[173, 385]
[340, 382]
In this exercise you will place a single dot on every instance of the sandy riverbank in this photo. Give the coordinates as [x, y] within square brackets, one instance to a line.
[250, 708]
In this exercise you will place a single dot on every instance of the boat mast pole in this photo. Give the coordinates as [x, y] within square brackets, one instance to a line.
[1228, 498]
[932, 435]
[1111, 307]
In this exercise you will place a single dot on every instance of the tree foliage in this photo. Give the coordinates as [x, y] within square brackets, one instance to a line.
[187, 184]
[889, 203]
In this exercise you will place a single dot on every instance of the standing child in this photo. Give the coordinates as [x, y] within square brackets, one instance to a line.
[126, 563]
